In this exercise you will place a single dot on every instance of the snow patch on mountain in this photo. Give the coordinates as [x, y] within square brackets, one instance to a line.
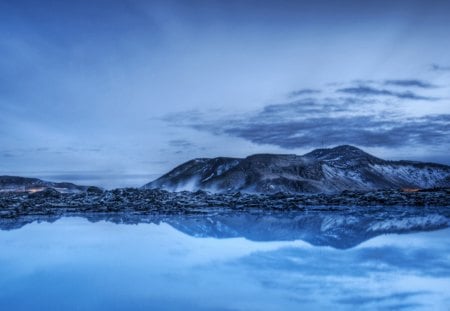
[410, 223]
[331, 222]
[425, 177]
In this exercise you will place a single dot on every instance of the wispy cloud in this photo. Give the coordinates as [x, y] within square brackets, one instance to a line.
[410, 83]
[180, 143]
[26, 151]
[309, 106]
[372, 91]
[302, 92]
[436, 67]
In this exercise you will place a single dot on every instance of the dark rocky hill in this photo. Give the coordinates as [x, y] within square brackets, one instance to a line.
[25, 184]
[320, 171]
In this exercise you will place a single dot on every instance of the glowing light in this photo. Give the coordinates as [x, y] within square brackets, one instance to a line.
[410, 189]
[33, 190]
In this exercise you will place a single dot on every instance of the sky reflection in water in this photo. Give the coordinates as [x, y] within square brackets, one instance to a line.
[73, 264]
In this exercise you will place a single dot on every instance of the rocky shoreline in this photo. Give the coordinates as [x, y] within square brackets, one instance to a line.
[340, 220]
[51, 202]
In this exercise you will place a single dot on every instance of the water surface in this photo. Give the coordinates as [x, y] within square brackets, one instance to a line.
[75, 264]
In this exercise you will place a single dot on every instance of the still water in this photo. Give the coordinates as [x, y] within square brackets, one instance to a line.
[75, 264]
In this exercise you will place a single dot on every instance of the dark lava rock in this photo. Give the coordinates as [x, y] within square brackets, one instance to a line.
[46, 193]
[93, 189]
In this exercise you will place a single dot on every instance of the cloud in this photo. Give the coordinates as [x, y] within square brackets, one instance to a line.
[366, 299]
[436, 67]
[410, 83]
[26, 151]
[180, 143]
[368, 131]
[371, 91]
[329, 121]
[306, 107]
[303, 92]
[359, 113]
[7, 155]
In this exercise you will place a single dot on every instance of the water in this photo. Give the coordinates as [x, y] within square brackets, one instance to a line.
[75, 264]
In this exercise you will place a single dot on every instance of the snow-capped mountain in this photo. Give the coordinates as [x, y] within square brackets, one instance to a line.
[322, 170]
[24, 184]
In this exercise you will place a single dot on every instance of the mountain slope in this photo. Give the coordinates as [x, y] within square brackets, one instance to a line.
[25, 184]
[322, 170]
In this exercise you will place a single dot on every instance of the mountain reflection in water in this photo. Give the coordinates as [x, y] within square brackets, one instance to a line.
[226, 261]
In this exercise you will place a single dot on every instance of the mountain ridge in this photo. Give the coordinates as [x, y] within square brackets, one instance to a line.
[28, 184]
[325, 170]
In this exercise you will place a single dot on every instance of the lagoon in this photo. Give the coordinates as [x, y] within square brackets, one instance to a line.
[180, 264]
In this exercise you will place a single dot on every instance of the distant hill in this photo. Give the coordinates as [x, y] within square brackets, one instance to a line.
[320, 171]
[25, 184]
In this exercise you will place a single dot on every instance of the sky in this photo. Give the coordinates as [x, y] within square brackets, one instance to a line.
[116, 93]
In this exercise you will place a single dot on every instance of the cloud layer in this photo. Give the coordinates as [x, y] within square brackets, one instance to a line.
[371, 91]
[359, 117]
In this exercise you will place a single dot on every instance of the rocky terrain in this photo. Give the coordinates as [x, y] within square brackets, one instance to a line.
[52, 202]
[341, 220]
[320, 171]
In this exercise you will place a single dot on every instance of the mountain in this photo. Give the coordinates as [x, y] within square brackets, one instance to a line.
[320, 171]
[24, 184]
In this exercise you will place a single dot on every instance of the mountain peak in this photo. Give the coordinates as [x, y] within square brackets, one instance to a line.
[340, 149]
[347, 148]
[344, 154]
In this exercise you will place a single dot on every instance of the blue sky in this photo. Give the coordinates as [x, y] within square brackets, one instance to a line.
[115, 93]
